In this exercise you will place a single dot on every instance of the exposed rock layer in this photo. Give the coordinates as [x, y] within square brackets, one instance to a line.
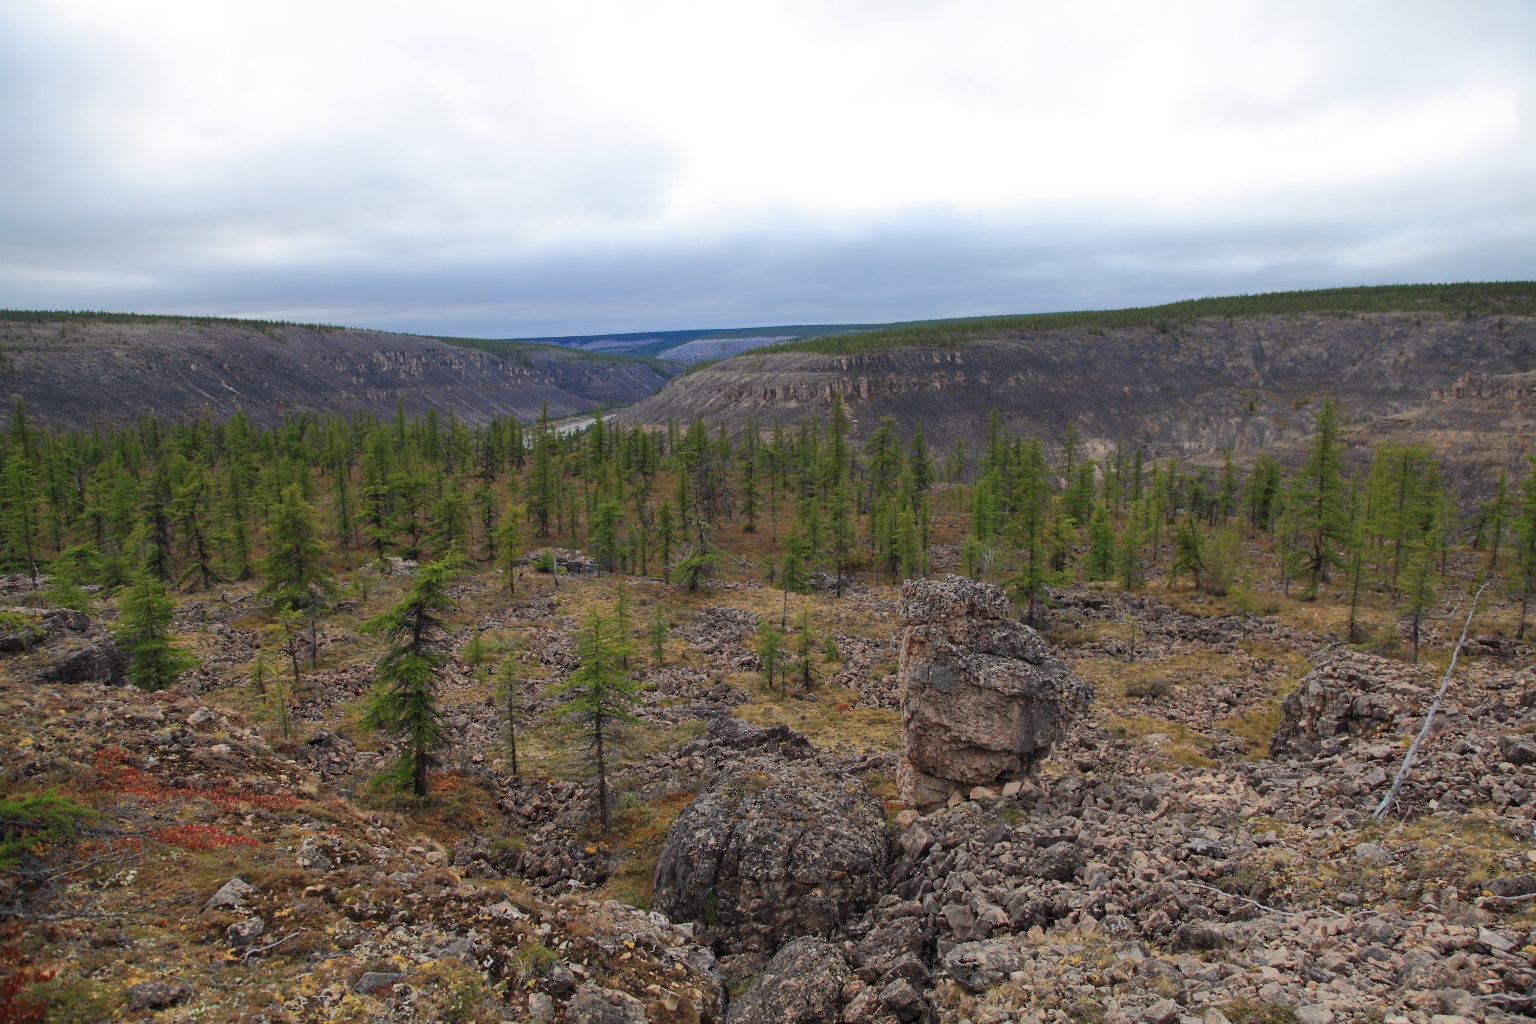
[75, 373]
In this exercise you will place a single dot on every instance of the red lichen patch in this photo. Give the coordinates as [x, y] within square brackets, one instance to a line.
[200, 837]
[115, 775]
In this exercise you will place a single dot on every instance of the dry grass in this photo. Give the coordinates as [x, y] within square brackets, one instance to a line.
[1115, 681]
[829, 721]
[637, 835]
[1174, 743]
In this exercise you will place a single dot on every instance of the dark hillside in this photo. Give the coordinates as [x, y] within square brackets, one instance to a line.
[71, 369]
[1188, 389]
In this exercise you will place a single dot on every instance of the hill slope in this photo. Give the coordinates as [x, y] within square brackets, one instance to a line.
[1184, 389]
[71, 369]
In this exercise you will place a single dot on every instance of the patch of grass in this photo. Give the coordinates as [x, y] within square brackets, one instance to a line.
[1178, 743]
[76, 1000]
[638, 833]
[1116, 682]
[27, 822]
[1255, 726]
[830, 721]
[1251, 1011]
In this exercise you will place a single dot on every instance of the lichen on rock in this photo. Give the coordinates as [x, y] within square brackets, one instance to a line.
[982, 699]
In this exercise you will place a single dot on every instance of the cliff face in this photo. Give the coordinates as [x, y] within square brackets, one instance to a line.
[1217, 383]
[71, 373]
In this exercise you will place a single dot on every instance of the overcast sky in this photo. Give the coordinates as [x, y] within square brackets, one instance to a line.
[534, 167]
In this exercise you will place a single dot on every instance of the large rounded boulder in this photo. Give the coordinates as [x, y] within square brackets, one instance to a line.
[770, 852]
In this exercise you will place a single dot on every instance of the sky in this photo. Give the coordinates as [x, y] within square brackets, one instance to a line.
[518, 168]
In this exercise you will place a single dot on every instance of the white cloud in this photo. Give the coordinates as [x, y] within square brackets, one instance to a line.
[214, 155]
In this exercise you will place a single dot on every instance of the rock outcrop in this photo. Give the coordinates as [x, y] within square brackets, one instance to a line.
[802, 984]
[61, 646]
[770, 852]
[982, 700]
[1351, 695]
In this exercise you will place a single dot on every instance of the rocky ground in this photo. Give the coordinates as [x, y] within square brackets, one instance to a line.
[1161, 866]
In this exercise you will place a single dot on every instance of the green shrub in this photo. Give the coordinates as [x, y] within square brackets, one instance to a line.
[28, 821]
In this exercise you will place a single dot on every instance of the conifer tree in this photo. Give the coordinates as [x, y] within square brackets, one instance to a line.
[404, 701]
[1321, 500]
[293, 569]
[596, 703]
[1188, 552]
[842, 536]
[1525, 542]
[1100, 563]
[1132, 550]
[509, 545]
[806, 643]
[144, 631]
[1496, 518]
[770, 650]
[657, 631]
[510, 703]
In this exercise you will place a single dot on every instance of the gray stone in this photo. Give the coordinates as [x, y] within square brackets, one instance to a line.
[593, 1004]
[372, 981]
[1314, 1013]
[1059, 862]
[231, 895]
[772, 851]
[245, 933]
[1164, 1011]
[541, 1008]
[978, 966]
[1457, 1000]
[158, 995]
[981, 699]
[1517, 750]
[85, 660]
[802, 984]
[311, 857]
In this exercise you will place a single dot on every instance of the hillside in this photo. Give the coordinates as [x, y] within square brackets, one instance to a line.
[1182, 388]
[71, 369]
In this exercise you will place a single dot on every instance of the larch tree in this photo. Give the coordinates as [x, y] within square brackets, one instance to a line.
[144, 630]
[1322, 499]
[596, 703]
[293, 570]
[404, 700]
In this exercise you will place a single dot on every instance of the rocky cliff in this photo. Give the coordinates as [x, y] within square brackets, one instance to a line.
[1201, 387]
[74, 371]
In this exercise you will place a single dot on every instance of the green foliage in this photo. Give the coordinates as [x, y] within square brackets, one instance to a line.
[27, 822]
[694, 569]
[510, 704]
[404, 698]
[596, 703]
[145, 612]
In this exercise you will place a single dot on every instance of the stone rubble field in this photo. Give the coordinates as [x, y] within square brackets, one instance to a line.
[1196, 846]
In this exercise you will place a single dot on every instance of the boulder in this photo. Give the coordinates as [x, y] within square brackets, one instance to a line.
[771, 851]
[1343, 696]
[158, 995]
[978, 966]
[981, 699]
[232, 895]
[802, 984]
[85, 660]
[593, 1004]
[245, 933]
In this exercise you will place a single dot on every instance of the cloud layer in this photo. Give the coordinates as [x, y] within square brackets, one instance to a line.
[531, 169]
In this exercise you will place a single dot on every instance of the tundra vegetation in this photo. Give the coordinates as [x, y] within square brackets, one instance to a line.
[455, 670]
